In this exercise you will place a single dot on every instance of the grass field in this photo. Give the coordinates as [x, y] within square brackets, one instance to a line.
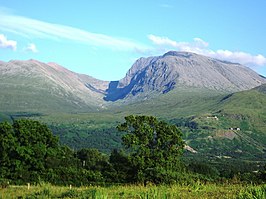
[197, 190]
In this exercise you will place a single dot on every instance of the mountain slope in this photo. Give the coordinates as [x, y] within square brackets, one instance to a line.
[32, 86]
[235, 128]
[182, 69]
[184, 88]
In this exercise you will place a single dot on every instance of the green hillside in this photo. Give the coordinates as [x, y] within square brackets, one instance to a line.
[236, 128]
[97, 128]
[205, 117]
[36, 87]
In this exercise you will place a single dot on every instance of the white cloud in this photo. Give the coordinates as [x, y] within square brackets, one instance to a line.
[164, 41]
[200, 46]
[182, 46]
[241, 57]
[5, 43]
[31, 48]
[200, 42]
[31, 28]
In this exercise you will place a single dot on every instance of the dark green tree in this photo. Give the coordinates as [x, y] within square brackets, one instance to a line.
[29, 152]
[25, 147]
[122, 170]
[91, 159]
[95, 163]
[155, 148]
[205, 169]
[8, 145]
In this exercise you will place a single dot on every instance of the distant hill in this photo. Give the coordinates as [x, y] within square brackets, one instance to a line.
[35, 86]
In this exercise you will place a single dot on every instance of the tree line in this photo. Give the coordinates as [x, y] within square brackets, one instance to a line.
[29, 152]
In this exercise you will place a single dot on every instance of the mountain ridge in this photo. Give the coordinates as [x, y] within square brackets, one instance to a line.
[175, 69]
[147, 78]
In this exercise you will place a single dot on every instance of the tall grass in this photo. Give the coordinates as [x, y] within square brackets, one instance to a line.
[197, 190]
[254, 192]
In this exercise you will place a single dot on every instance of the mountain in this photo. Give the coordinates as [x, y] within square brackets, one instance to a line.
[207, 98]
[182, 69]
[33, 86]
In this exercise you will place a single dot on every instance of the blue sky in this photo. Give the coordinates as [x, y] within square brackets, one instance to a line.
[103, 38]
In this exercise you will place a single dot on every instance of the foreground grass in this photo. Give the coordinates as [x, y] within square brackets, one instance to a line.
[197, 190]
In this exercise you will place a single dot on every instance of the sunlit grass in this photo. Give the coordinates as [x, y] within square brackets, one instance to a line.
[196, 190]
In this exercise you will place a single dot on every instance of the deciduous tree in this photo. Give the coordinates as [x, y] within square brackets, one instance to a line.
[155, 148]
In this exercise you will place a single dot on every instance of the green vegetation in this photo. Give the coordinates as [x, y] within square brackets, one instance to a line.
[223, 136]
[197, 190]
[253, 192]
[191, 110]
[18, 93]
[156, 147]
[24, 147]
[96, 129]
[30, 153]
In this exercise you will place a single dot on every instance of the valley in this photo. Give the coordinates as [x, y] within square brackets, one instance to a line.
[219, 106]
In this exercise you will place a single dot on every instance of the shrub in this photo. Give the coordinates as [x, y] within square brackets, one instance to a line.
[4, 183]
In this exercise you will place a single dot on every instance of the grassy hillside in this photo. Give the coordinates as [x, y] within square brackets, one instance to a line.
[236, 127]
[33, 86]
[180, 102]
[19, 95]
[97, 128]
[205, 117]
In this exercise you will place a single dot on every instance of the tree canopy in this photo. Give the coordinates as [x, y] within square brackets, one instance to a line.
[155, 147]
[24, 148]
[29, 152]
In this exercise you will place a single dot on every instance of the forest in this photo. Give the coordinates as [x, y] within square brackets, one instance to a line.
[152, 154]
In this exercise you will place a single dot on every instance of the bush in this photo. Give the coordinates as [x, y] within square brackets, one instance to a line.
[204, 169]
[4, 183]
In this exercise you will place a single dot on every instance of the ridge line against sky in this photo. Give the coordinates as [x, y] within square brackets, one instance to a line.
[24, 37]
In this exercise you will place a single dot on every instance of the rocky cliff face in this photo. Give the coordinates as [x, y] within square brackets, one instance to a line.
[182, 69]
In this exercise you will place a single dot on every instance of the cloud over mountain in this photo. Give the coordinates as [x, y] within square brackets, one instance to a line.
[200, 46]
